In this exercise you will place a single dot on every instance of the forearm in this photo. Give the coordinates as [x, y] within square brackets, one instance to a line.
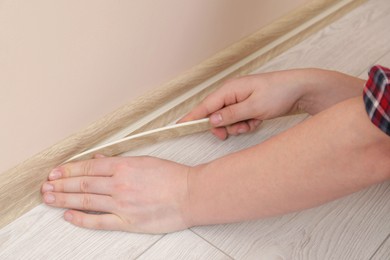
[333, 154]
[325, 88]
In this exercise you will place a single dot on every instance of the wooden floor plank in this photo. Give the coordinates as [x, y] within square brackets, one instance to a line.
[384, 251]
[43, 234]
[349, 45]
[25, 237]
[337, 230]
[202, 148]
[383, 61]
[350, 228]
[183, 245]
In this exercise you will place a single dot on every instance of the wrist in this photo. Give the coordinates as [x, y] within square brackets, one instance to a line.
[324, 88]
[294, 85]
[197, 213]
[310, 87]
[190, 216]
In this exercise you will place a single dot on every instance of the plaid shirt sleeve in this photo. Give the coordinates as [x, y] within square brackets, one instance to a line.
[376, 97]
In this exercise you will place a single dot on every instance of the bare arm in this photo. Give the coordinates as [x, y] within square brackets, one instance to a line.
[242, 103]
[333, 154]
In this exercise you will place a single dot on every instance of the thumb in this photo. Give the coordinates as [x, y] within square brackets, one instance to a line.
[231, 114]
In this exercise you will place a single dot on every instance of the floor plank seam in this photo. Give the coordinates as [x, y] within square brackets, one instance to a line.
[384, 55]
[376, 62]
[149, 247]
[380, 246]
[337, 231]
[211, 244]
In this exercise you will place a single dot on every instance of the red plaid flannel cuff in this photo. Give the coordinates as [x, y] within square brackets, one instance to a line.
[376, 97]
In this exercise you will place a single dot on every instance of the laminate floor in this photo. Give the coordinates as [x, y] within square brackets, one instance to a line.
[354, 227]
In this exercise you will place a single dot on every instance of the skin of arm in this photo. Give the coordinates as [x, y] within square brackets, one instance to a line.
[242, 103]
[332, 154]
[328, 156]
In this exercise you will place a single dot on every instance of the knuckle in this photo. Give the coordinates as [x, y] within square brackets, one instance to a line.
[65, 170]
[61, 201]
[230, 83]
[204, 103]
[58, 186]
[253, 106]
[123, 165]
[231, 130]
[84, 185]
[205, 107]
[230, 112]
[255, 123]
[86, 201]
[252, 126]
[121, 187]
[121, 204]
[87, 167]
[120, 169]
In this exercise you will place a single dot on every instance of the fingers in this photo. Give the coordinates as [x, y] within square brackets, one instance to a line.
[243, 127]
[94, 167]
[95, 185]
[94, 221]
[91, 202]
[234, 91]
[236, 129]
[220, 132]
[231, 114]
[253, 124]
[222, 108]
[210, 104]
[99, 156]
[226, 118]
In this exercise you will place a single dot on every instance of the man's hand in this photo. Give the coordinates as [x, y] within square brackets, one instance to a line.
[135, 194]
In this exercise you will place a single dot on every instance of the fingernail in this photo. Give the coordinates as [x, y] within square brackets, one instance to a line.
[49, 198]
[47, 187]
[215, 119]
[55, 174]
[68, 216]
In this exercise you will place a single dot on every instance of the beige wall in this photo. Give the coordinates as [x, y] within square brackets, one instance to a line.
[64, 64]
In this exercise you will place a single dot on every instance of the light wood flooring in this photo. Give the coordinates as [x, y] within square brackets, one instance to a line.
[355, 227]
